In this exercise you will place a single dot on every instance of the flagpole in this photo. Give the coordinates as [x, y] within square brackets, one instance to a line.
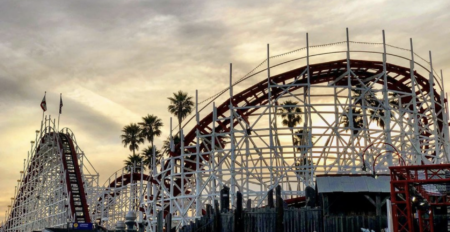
[43, 111]
[60, 101]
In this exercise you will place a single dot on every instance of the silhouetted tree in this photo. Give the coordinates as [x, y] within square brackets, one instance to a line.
[135, 161]
[181, 106]
[290, 113]
[147, 154]
[150, 127]
[131, 137]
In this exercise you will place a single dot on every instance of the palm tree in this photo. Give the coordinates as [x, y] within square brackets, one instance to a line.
[393, 101]
[150, 127]
[299, 140]
[377, 115]
[135, 164]
[147, 154]
[290, 114]
[135, 161]
[304, 165]
[357, 113]
[300, 137]
[166, 144]
[358, 121]
[132, 137]
[181, 106]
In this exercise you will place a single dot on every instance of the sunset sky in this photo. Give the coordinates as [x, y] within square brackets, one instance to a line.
[117, 61]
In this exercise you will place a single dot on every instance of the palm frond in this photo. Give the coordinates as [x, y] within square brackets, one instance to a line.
[150, 127]
[290, 113]
[135, 161]
[131, 137]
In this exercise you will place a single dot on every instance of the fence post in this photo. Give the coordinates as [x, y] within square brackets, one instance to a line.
[209, 210]
[280, 209]
[169, 222]
[217, 222]
[238, 213]
[225, 199]
[249, 204]
[270, 199]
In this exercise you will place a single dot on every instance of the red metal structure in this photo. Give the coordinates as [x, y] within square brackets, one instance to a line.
[416, 191]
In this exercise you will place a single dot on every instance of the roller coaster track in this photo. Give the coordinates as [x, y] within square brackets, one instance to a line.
[331, 73]
[398, 79]
[70, 175]
[167, 185]
[246, 103]
[74, 180]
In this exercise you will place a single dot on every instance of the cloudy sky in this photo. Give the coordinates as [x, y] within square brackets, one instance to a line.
[116, 61]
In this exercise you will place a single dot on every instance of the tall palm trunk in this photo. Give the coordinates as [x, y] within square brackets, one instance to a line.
[179, 120]
[152, 143]
[179, 127]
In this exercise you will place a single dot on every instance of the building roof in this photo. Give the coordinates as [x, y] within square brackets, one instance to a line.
[353, 183]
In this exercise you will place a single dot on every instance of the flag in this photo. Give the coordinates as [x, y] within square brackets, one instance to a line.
[60, 103]
[44, 103]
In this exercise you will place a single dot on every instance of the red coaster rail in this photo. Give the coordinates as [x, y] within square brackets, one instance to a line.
[74, 180]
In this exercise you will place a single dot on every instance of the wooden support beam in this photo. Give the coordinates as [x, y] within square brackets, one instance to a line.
[378, 204]
[370, 200]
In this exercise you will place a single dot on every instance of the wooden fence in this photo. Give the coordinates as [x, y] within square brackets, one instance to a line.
[277, 217]
[274, 217]
[260, 220]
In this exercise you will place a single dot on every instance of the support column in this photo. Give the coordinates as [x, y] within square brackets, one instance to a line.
[336, 129]
[433, 114]
[446, 142]
[182, 178]
[198, 207]
[232, 142]
[154, 173]
[350, 103]
[310, 166]
[213, 145]
[386, 107]
[269, 104]
[416, 139]
[172, 174]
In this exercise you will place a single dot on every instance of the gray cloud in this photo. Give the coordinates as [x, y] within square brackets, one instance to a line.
[90, 123]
